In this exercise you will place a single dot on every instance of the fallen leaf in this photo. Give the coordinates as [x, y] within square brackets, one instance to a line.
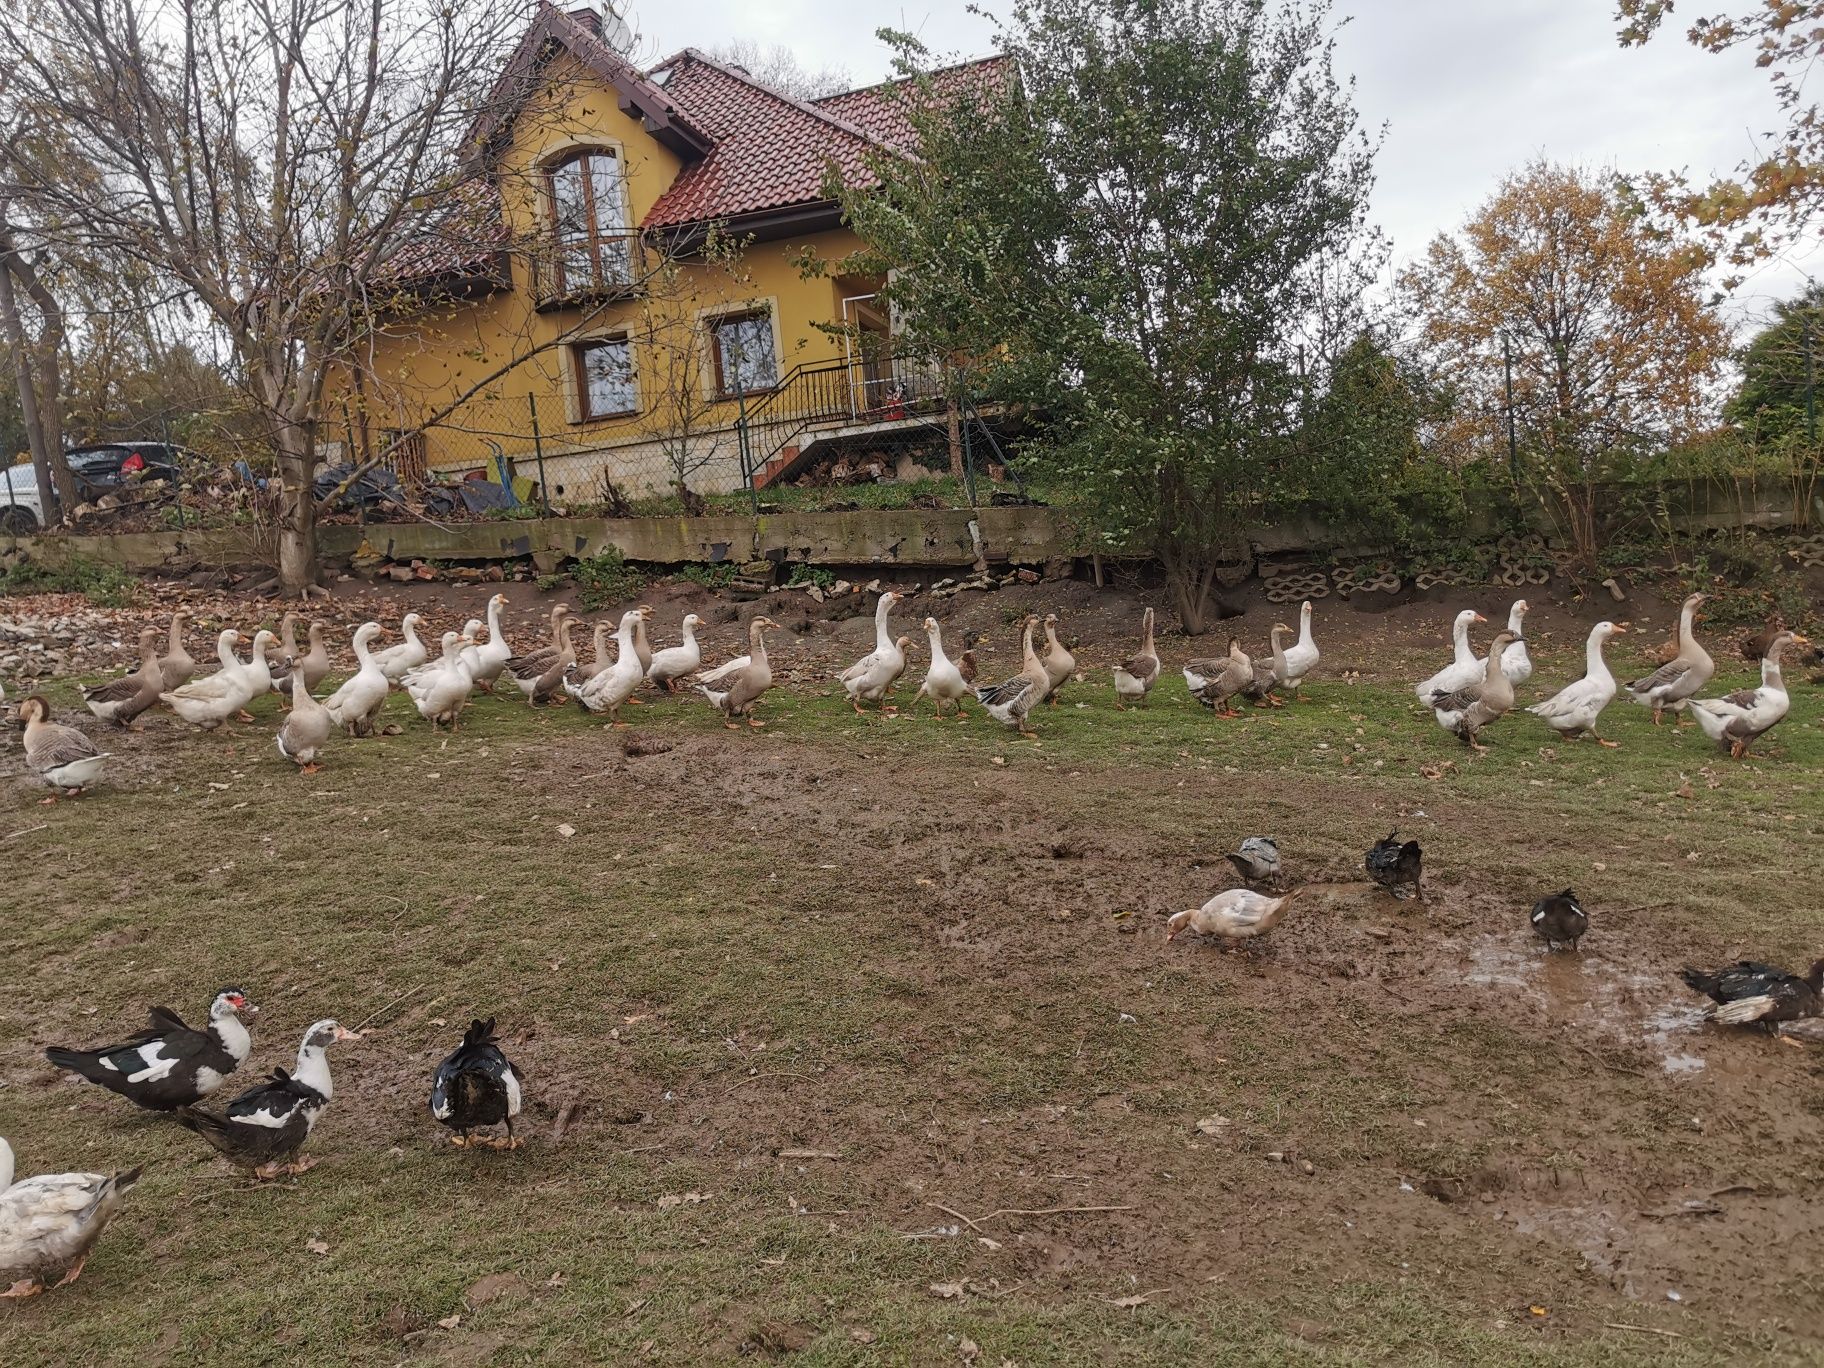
[993, 760]
[1127, 1303]
[1213, 1125]
[450, 1322]
[969, 1349]
[677, 1199]
[808, 1154]
[556, 1280]
[947, 1291]
[566, 830]
[316, 1246]
[863, 1336]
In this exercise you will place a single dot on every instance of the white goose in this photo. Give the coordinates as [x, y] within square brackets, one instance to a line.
[874, 674]
[1464, 669]
[1516, 664]
[1573, 710]
[675, 662]
[1735, 721]
[49, 1223]
[1302, 658]
[212, 700]
[441, 690]
[608, 689]
[487, 658]
[944, 680]
[407, 655]
[358, 702]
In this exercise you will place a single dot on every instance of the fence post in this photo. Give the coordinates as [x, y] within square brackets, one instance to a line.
[1811, 399]
[164, 425]
[538, 452]
[747, 462]
[964, 411]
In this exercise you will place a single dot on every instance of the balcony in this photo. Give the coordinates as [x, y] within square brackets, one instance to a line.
[585, 271]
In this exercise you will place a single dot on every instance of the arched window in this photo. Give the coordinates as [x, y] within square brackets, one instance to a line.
[591, 223]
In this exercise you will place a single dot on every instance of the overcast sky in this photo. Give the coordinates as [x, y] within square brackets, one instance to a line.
[1466, 88]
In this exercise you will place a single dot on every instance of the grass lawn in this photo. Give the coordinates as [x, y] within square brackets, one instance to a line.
[858, 1041]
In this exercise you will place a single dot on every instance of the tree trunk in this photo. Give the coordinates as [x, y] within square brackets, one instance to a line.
[12, 327]
[1188, 582]
[298, 567]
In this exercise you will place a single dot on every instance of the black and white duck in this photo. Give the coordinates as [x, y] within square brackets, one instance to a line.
[1559, 919]
[169, 1064]
[264, 1127]
[1749, 992]
[1395, 866]
[477, 1086]
[49, 1223]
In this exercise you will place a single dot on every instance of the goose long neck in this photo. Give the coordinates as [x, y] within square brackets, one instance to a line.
[363, 658]
[493, 620]
[1593, 663]
[176, 642]
[1279, 650]
[288, 634]
[756, 642]
[410, 629]
[1516, 618]
[1771, 674]
[313, 1069]
[1304, 625]
[623, 639]
[1686, 617]
[690, 634]
[601, 641]
[1051, 636]
[882, 642]
[224, 652]
[6, 1165]
[1146, 633]
[935, 635]
[557, 618]
[1459, 634]
[148, 653]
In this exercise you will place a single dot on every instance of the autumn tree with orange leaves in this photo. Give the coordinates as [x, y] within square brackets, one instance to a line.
[1613, 347]
[1774, 200]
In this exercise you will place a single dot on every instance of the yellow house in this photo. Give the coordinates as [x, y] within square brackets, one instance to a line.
[620, 295]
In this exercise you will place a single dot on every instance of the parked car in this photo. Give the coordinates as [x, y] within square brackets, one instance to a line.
[103, 469]
[20, 509]
[98, 470]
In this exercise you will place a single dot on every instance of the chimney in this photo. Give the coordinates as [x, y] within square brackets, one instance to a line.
[589, 17]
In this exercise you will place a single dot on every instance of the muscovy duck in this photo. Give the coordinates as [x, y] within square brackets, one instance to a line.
[1749, 992]
[1394, 866]
[1232, 916]
[1559, 919]
[169, 1064]
[49, 1223]
[1256, 860]
[477, 1086]
[264, 1127]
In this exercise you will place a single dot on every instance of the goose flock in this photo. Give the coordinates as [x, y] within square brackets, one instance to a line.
[1467, 696]
[1473, 692]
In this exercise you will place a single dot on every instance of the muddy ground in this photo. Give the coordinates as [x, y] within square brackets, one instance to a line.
[889, 1018]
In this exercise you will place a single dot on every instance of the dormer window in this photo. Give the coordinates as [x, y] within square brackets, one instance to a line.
[592, 225]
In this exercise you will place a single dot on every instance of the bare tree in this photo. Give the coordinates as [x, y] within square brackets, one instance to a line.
[270, 159]
[778, 66]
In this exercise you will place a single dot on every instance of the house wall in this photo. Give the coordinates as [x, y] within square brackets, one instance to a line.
[422, 362]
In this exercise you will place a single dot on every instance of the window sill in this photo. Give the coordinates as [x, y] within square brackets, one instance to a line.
[589, 418]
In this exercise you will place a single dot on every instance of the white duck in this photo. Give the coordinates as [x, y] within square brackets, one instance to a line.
[212, 700]
[607, 690]
[487, 658]
[1302, 658]
[944, 680]
[1464, 669]
[1735, 721]
[1516, 664]
[675, 662]
[49, 1223]
[358, 702]
[874, 674]
[1232, 916]
[1573, 710]
[409, 654]
[441, 690]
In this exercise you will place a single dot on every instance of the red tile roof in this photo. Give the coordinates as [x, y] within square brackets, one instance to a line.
[771, 152]
[880, 111]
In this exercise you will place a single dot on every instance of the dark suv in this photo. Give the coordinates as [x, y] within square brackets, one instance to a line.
[99, 469]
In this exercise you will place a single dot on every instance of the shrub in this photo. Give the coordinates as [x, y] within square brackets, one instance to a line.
[604, 579]
[105, 585]
[803, 576]
[710, 577]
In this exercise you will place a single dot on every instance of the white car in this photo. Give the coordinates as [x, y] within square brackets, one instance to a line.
[20, 508]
